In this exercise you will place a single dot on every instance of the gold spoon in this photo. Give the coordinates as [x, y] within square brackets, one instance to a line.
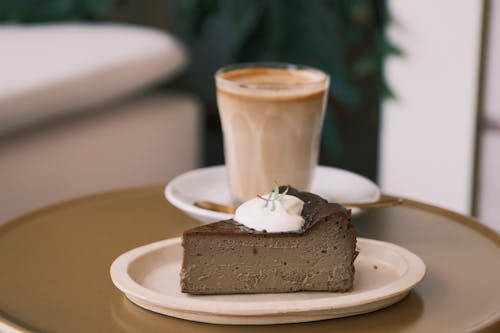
[230, 209]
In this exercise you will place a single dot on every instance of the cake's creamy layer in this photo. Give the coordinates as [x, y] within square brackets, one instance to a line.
[320, 259]
[274, 215]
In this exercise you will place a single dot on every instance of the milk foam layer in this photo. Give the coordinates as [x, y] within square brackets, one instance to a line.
[272, 83]
[271, 120]
[282, 215]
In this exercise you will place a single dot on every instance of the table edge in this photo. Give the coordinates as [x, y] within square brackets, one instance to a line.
[469, 221]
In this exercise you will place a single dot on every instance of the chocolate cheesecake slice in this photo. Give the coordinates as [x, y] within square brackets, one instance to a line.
[228, 258]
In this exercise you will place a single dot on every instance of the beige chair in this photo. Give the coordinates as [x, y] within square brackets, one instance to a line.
[77, 117]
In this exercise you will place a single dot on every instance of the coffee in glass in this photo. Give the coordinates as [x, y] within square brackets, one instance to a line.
[271, 116]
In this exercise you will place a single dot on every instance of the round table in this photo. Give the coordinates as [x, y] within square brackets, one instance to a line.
[55, 269]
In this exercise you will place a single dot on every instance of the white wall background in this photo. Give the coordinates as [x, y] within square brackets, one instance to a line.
[428, 132]
[489, 164]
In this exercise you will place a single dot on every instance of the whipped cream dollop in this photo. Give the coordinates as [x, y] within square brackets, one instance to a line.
[282, 215]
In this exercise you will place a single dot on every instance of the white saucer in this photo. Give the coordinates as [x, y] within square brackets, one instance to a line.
[333, 184]
[149, 277]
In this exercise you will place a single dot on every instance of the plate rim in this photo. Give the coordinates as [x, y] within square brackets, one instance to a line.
[414, 274]
[192, 209]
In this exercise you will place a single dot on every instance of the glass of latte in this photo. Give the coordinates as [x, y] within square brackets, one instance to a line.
[271, 115]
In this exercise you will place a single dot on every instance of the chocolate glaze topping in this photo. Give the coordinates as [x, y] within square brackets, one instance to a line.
[315, 209]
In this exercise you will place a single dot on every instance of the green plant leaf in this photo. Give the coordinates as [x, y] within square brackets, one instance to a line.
[367, 65]
[52, 10]
[387, 92]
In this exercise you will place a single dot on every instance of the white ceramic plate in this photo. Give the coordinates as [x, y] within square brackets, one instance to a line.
[149, 277]
[333, 184]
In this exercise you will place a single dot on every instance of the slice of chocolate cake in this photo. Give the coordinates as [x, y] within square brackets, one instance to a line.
[229, 258]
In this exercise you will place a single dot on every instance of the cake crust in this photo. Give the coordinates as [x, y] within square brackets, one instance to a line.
[315, 210]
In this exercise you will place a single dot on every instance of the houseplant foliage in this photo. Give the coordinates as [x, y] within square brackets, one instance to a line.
[326, 34]
[345, 38]
[51, 10]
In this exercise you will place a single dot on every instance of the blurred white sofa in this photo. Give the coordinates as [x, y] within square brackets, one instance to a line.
[77, 114]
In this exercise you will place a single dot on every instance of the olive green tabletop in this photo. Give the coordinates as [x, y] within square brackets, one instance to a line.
[54, 269]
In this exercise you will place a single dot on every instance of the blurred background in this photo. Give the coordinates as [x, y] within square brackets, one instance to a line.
[104, 94]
